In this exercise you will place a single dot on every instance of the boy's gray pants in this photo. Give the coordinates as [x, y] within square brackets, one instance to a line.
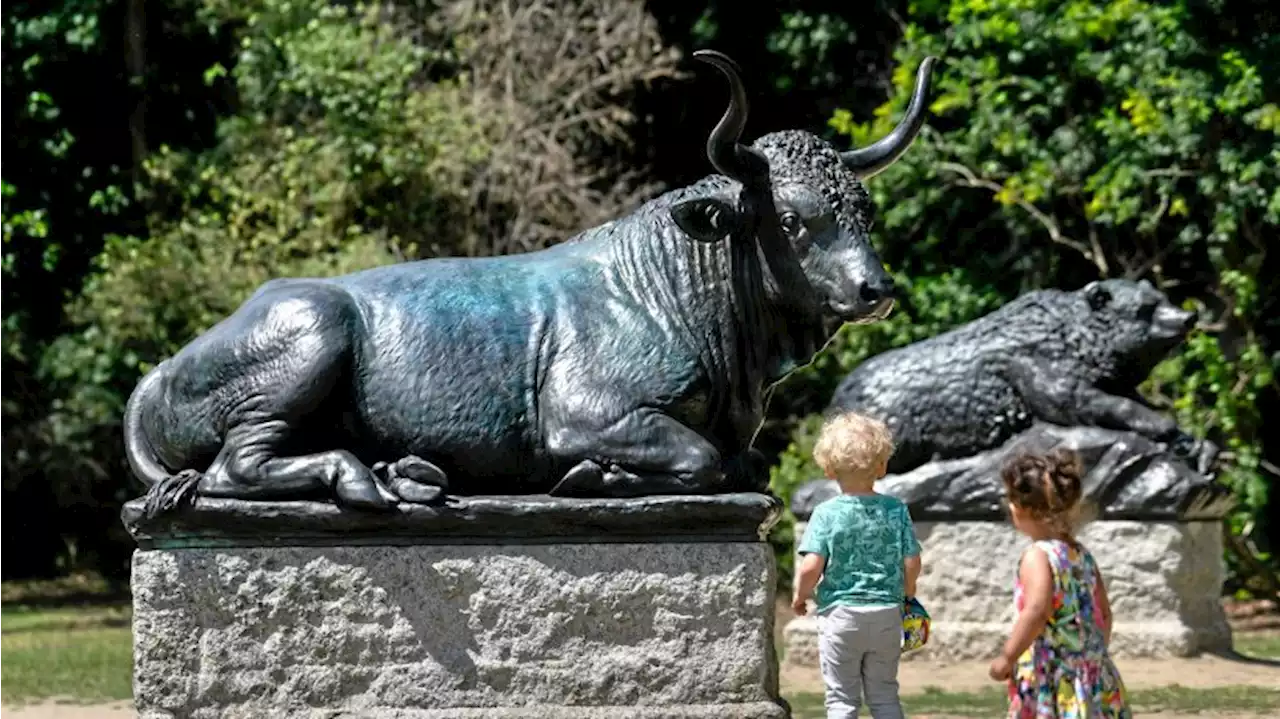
[858, 649]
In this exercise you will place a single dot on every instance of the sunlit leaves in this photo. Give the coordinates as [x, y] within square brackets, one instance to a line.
[806, 41]
[1118, 133]
[341, 157]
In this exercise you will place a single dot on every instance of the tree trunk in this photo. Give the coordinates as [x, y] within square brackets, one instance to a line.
[135, 44]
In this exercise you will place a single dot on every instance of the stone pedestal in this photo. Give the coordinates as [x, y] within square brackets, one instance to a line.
[490, 608]
[1164, 580]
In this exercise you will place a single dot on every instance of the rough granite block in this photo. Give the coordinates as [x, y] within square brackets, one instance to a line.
[564, 630]
[1164, 580]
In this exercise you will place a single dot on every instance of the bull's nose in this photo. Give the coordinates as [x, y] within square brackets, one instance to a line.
[875, 292]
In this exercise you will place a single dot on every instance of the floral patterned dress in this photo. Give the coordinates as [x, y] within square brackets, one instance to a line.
[1067, 672]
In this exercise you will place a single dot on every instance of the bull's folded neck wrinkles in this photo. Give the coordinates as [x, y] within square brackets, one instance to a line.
[717, 300]
[788, 327]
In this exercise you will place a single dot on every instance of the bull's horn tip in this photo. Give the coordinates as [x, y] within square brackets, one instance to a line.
[715, 57]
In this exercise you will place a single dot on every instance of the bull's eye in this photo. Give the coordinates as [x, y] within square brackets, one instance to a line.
[791, 223]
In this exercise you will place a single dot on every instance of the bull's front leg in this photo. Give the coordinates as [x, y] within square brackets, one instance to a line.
[644, 453]
[413, 479]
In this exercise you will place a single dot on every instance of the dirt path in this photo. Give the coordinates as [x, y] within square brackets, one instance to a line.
[915, 677]
[55, 710]
[1201, 672]
[124, 710]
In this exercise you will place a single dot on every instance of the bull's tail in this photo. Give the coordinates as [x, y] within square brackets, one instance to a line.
[137, 446]
[165, 491]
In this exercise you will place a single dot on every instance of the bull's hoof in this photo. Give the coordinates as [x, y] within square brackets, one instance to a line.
[364, 492]
[584, 480]
[414, 479]
[589, 479]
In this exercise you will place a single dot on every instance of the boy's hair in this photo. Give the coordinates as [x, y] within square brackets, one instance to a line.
[1047, 486]
[852, 444]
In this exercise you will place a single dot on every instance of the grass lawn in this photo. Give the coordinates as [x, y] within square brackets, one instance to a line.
[87, 665]
[1259, 646]
[84, 653]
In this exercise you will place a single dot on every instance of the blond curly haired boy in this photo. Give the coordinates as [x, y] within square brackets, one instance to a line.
[859, 552]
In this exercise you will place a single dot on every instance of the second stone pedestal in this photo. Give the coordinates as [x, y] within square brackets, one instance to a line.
[1164, 579]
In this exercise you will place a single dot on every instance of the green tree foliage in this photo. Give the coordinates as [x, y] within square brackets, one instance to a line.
[163, 160]
[75, 120]
[335, 160]
[334, 150]
[800, 59]
[359, 134]
[1074, 140]
[35, 46]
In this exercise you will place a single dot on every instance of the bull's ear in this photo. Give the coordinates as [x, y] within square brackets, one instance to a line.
[1097, 295]
[705, 219]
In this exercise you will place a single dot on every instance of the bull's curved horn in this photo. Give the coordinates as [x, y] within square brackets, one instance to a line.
[727, 155]
[870, 160]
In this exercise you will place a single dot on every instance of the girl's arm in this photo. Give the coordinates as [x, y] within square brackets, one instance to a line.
[1037, 602]
[1104, 605]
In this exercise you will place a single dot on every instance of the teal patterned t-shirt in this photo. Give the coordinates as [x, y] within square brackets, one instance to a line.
[864, 539]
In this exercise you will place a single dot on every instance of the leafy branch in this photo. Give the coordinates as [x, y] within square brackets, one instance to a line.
[1091, 251]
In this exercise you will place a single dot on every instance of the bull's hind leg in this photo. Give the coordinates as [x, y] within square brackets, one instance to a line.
[248, 469]
[289, 350]
[644, 453]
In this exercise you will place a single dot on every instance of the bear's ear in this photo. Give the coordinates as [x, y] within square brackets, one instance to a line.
[705, 219]
[1097, 295]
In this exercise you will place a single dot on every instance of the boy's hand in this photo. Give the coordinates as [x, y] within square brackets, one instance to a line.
[1001, 669]
[799, 606]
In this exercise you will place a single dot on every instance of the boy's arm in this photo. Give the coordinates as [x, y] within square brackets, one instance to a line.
[807, 577]
[911, 568]
[912, 565]
[813, 560]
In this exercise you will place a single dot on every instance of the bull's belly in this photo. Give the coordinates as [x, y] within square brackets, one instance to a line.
[479, 431]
